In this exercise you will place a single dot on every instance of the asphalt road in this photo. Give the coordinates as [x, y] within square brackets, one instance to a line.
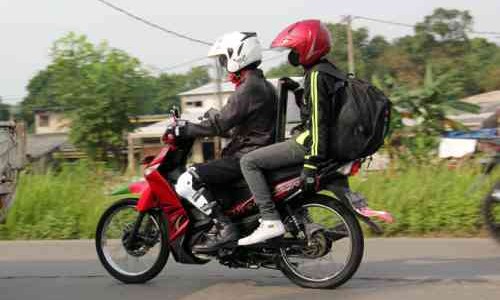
[392, 269]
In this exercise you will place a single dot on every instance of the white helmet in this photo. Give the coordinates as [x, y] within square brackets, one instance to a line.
[237, 50]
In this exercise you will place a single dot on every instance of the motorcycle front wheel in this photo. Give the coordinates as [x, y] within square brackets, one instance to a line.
[137, 261]
[333, 247]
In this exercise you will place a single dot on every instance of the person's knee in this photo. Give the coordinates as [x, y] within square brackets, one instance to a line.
[190, 187]
[188, 183]
[185, 186]
[248, 162]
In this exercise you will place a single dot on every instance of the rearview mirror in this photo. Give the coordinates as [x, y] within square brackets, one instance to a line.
[174, 111]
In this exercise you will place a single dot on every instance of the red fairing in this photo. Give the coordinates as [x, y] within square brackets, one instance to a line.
[309, 38]
[282, 190]
[159, 158]
[178, 220]
[138, 187]
[146, 201]
[241, 207]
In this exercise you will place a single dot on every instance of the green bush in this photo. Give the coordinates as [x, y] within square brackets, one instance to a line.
[427, 200]
[57, 205]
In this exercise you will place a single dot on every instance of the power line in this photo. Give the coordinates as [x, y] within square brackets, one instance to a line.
[384, 21]
[413, 25]
[149, 23]
[186, 63]
[195, 60]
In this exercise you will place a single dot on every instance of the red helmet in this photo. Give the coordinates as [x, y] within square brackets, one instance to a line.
[309, 40]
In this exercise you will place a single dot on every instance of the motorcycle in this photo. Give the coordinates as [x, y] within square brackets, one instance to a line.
[490, 208]
[322, 248]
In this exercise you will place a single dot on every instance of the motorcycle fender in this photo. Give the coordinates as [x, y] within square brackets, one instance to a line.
[372, 225]
[132, 189]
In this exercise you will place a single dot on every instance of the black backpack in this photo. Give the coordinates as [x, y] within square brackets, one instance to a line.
[361, 116]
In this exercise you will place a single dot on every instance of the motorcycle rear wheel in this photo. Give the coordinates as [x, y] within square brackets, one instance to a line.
[111, 235]
[321, 264]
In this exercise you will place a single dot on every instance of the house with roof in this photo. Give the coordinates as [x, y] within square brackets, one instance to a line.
[50, 139]
[489, 108]
[458, 144]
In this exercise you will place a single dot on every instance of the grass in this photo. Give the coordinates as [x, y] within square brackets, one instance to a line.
[62, 205]
[425, 201]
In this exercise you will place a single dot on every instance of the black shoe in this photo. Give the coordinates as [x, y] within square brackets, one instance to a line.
[228, 232]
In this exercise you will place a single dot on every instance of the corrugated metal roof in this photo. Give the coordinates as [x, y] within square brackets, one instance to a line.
[488, 104]
[484, 98]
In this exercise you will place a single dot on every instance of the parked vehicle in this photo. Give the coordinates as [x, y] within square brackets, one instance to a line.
[490, 207]
[323, 246]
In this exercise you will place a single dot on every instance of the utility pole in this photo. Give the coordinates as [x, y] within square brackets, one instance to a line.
[218, 84]
[350, 47]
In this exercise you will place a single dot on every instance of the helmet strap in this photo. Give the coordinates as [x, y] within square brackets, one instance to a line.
[238, 77]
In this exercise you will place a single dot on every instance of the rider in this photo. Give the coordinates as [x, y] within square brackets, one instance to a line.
[310, 42]
[248, 117]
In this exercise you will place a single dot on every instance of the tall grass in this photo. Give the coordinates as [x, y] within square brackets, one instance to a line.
[427, 200]
[57, 205]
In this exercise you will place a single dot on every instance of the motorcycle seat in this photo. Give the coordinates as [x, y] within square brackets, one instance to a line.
[284, 173]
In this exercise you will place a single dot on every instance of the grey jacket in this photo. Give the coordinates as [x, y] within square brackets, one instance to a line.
[248, 117]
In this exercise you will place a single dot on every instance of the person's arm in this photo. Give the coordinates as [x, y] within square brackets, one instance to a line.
[219, 123]
[319, 119]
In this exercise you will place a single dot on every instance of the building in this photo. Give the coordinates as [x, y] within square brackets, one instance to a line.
[51, 136]
[462, 143]
[49, 121]
[489, 107]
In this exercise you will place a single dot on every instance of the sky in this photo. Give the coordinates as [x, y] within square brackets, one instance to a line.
[29, 27]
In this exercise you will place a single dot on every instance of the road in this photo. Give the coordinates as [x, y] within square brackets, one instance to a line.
[392, 269]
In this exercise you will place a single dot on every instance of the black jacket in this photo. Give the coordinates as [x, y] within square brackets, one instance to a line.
[318, 111]
[248, 117]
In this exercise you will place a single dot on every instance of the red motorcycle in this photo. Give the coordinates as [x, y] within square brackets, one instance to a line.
[322, 248]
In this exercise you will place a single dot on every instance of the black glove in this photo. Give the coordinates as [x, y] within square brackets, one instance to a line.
[178, 130]
[309, 180]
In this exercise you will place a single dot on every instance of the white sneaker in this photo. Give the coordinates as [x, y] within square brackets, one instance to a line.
[266, 230]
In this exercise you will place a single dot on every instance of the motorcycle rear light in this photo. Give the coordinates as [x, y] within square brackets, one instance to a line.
[355, 168]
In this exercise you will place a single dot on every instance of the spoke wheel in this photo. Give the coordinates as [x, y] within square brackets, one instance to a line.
[333, 247]
[491, 212]
[135, 261]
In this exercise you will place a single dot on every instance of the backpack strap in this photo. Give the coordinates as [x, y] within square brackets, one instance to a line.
[328, 68]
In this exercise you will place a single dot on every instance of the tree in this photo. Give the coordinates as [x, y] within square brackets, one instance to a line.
[440, 39]
[284, 70]
[427, 106]
[4, 111]
[99, 88]
[446, 25]
[168, 86]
